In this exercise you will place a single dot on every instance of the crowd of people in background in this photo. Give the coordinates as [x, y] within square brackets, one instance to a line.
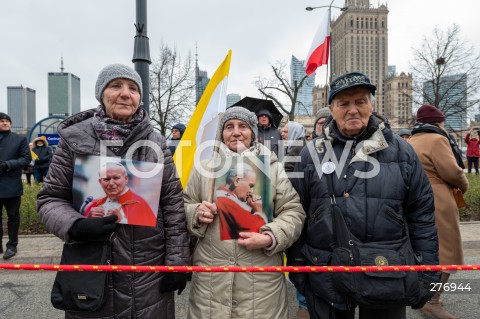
[301, 227]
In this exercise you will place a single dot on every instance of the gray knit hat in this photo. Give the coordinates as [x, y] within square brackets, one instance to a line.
[240, 113]
[116, 71]
[323, 112]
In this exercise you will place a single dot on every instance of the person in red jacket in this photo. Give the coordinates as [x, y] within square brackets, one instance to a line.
[121, 201]
[473, 153]
[240, 210]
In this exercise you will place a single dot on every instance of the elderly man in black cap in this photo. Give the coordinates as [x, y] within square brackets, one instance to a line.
[268, 134]
[14, 154]
[377, 182]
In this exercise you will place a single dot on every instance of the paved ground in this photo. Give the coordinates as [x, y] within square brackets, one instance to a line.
[40, 249]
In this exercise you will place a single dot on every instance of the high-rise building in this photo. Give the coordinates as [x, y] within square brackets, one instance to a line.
[201, 81]
[359, 42]
[21, 105]
[63, 93]
[232, 98]
[392, 70]
[454, 102]
[398, 100]
[304, 96]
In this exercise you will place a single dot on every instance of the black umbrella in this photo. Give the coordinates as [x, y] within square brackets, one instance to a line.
[255, 105]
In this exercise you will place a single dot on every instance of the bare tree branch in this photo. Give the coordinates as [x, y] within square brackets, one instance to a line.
[172, 89]
[279, 89]
[446, 72]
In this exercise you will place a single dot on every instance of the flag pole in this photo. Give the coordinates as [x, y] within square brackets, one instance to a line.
[216, 148]
[329, 62]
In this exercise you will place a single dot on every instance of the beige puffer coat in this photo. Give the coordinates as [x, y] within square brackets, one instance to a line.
[130, 295]
[242, 295]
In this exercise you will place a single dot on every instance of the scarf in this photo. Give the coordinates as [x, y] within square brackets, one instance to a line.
[109, 129]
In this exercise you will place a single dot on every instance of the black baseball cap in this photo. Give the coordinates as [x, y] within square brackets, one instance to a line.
[348, 81]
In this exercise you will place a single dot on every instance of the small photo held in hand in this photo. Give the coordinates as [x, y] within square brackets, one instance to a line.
[243, 197]
[106, 186]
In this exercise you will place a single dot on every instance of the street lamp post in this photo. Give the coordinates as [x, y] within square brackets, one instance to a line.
[313, 8]
[141, 53]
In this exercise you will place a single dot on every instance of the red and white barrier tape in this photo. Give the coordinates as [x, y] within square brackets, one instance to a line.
[125, 268]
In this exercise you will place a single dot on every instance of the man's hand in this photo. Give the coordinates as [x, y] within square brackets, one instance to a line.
[116, 212]
[96, 212]
[253, 241]
[255, 202]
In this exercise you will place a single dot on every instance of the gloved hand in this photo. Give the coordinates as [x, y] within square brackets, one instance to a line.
[3, 167]
[85, 229]
[174, 281]
[427, 279]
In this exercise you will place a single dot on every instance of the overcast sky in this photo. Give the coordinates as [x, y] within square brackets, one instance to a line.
[90, 34]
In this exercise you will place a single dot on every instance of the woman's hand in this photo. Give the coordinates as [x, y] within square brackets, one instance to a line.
[252, 241]
[206, 212]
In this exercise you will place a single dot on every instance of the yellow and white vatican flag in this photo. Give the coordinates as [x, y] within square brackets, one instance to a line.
[199, 137]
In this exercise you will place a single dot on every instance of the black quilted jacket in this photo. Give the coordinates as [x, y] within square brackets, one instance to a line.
[373, 207]
[130, 295]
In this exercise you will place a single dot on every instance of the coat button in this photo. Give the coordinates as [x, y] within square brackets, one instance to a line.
[346, 195]
[231, 261]
[315, 258]
[234, 303]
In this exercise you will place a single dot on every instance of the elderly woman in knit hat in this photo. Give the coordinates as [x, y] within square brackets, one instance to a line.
[241, 295]
[431, 143]
[322, 115]
[119, 120]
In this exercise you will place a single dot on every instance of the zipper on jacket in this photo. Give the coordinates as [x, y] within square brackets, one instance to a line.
[394, 217]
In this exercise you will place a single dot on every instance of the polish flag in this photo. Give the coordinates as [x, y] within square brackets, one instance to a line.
[318, 53]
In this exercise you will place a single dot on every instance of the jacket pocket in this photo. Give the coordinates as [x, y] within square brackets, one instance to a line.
[315, 256]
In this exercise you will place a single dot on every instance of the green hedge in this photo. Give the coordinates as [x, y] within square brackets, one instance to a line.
[30, 223]
[472, 198]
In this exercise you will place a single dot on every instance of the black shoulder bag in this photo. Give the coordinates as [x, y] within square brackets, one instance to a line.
[374, 289]
[82, 290]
